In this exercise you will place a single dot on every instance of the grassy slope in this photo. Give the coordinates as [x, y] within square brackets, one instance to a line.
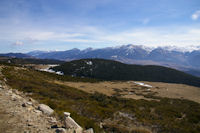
[89, 109]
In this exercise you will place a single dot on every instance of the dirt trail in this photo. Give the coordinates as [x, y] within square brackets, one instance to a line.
[14, 118]
[19, 114]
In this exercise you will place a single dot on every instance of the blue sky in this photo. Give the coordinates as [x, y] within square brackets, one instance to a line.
[27, 25]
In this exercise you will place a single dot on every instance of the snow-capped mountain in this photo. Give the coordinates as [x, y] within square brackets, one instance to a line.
[171, 56]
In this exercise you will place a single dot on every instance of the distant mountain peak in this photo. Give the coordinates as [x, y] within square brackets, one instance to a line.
[88, 49]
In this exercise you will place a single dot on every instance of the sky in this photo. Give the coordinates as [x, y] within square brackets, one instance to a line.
[50, 25]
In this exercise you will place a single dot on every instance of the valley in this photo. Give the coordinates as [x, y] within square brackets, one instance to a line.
[99, 66]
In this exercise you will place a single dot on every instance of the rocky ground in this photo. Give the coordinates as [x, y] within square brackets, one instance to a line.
[22, 114]
[19, 114]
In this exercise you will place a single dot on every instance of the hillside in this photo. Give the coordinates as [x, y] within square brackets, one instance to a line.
[28, 61]
[16, 55]
[113, 70]
[108, 113]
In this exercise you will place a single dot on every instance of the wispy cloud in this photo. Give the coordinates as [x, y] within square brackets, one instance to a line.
[154, 36]
[67, 23]
[18, 43]
[196, 15]
[183, 36]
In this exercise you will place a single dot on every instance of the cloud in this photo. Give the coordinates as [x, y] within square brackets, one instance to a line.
[196, 15]
[184, 36]
[18, 43]
[154, 36]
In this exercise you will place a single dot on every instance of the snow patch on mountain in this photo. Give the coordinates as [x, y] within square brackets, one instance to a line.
[114, 56]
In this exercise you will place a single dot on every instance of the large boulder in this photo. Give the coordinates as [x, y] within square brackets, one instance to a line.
[45, 109]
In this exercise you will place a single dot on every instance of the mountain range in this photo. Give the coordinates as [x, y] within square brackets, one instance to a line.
[183, 59]
[174, 57]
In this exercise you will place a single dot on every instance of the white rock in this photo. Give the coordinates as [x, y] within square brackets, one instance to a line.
[52, 120]
[14, 97]
[71, 124]
[29, 103]
[90, 130]
[66, 114]
[45, 109]
[38, 111]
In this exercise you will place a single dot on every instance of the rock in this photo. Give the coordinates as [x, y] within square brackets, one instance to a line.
[101, 125]
[29, 103]
[60, 130]
[16, 91]
[71, 124]
[30, 108]
[37, 111]
[30, 124]
[5, 79]
[52, 120]
[45, 109]
[66, 114]
[24, 105]
[90, 130]
[14, 97]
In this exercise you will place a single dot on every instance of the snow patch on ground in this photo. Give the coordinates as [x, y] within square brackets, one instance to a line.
[89, 62]
[143, 84]
[51, 71]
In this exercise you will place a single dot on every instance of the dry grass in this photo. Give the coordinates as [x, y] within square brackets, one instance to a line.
[131, 90]
[170, 90]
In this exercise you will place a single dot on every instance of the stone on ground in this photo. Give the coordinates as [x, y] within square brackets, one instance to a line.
[45, 109]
